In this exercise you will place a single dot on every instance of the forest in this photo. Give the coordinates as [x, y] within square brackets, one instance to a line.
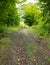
[12, 13]
[24, 32]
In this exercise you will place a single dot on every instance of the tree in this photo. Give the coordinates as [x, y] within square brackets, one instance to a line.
[45, 7]
[9, 13]
[31, 14]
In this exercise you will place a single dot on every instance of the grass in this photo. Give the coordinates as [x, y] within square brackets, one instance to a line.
[5, 43]
[48, 45]
[32, 49]
[47, 58]
[11, 29]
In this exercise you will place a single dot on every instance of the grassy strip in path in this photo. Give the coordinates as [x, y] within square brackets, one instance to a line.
[5, 44]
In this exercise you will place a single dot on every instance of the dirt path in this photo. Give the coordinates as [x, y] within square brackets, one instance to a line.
[26, 49]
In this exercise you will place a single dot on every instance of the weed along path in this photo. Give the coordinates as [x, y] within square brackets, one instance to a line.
[26, 49]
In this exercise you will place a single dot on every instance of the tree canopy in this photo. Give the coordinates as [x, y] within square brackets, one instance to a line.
[45, 7]
[8, 12]
[31, 14]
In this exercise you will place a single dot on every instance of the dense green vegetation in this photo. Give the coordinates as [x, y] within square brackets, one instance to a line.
[45, 7]
[24, 32]
[35, 15]
[8, 14]
[31, 14]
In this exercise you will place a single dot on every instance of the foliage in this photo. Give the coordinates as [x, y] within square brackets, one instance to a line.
[45, 7]
[31, 14]
[9, 13]
[37, 14]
